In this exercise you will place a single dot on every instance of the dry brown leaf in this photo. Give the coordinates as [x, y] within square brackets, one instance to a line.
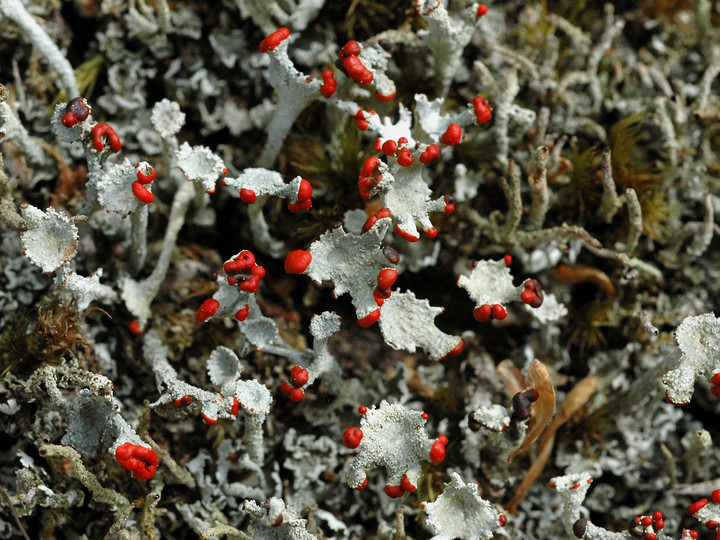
[511, 376]
[574, 401]
[581, 273]
[543, 408]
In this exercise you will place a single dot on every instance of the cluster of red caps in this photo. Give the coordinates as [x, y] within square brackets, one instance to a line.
[647, 527]
[139, 189]
[298, 377]
[242, 271]
[695, 507]
[141, 461]
[304, 201]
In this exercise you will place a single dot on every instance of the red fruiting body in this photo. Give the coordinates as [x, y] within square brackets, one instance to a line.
[483, 111]
[657, 515]
[242, 270]
[369, 320]
[482, 313]
[146, 179]
[498, 312]
[715, 496]
[242, 313]
[430, 154]
[357, 71]
[437, 452]
[274, 39]
[135, 328]
[402, 140]
[389, 148]
[183, 401]
[502, 520]
[141, 192]
[235, 407]
[359, 117]
[405, 159]
[296, 207]
[372, 220]
[391, 254]
[381, 296]
[141, 461]
[646, 521]
[381, 97]
[369, 166]
[242, 261]
[443, 439]
[386, 278]
[248, 196]
[329, 84]
[75, 111]
[424, 416]
[508, 260]
[650, 536]
[369, 177]
[104, 130]
[68, 120]
[431, 233]
[285, 388]
[305, 190]
[369, 223]
[352, 437]
[394, 491]
[658, 524]
[367, 184]
[715, 390]
[407, 236]
[406, 485]
[696, 506]
[207, 309]
[251, 283]
[481, 10]
[712, 524]
[299, 376]
[532, 295]
[363, 485]
[452, 135]
[351, 48]
[362, 409]
[449, 204]
[297, 261]
[209, 421]
[457, 349]
[296, 394]
[377, 146]
[303, 197]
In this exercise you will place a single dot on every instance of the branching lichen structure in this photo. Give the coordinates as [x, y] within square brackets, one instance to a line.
[379, 270]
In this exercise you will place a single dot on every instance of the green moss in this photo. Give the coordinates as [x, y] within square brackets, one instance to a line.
[580, 198]
[633, 167]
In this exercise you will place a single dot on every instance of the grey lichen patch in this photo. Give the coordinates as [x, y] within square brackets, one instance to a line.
[50, 240]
